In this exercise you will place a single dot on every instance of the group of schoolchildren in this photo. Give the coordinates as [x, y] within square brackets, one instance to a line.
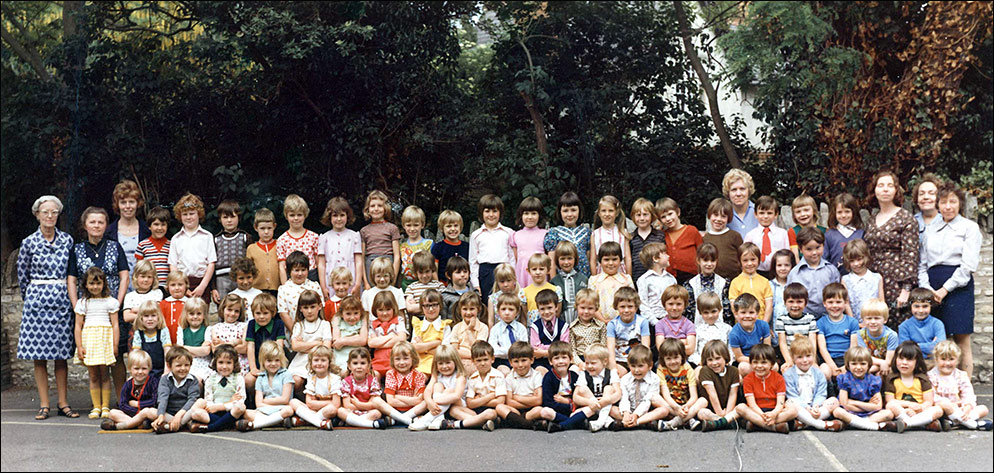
[659, 328]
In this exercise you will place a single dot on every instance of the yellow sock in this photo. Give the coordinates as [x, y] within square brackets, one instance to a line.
[105, 398]
[95, 397]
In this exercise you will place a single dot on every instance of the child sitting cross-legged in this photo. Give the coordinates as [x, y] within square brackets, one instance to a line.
[404, 386]
[323, 391]
[922, 328]
[641, 405]
[362, 405]
[139, 396]
[953, 390]
[908, 393]
[765, 394]
[178, 391]
[876, 336]
[599, 388]
[719, 384]
[860, 400]
[626, 330]
[558, 386]
[679, 385]
[273, 391]
[807, 388]
[445, 394]
[486, 388]
[524, 388]
[224, 394]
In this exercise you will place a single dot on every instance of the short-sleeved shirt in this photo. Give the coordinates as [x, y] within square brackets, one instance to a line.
[678, 382]
[156, 251]
[955, 387]
[321, 387]
[369, 294]
[838, 335]
[379, 237]
[289, 293]
[426, 331]
[407, 251]
[861, 289]
[606, 286]
[723, 383]
[306, 244]
[410, 384]
[880, 345]
[744, 340]
[680, 328]
[97, 310]
[274, 389]
[135, 299]
[446, 249]
[764, 390]
[859, 389]
[756, 285]
[790, 326]
[525, 385]
[191, 252]
[911, 393]
[493, 383]
[257, 334]
[363, 390]
[339, 249]
[623, 333]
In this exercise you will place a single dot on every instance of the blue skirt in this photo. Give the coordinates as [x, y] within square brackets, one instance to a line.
[957, 309]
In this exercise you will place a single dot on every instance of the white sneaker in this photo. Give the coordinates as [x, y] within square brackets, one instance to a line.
[436, 424]
[597, 425]
[419, 424]
[693, 424]
[670, 424]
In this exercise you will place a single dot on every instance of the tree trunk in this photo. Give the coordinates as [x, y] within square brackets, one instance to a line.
[540, 138]
[712, 96]
[74, 66]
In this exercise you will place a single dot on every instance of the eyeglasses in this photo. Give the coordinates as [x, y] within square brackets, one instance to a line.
[430, 305]
[48, 213]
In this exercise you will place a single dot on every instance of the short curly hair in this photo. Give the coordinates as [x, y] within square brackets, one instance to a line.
[124, 190]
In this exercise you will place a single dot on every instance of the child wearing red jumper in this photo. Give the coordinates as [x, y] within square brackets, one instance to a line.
[681, 241]
[765, 394]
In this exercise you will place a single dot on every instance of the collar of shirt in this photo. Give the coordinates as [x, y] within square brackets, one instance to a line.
[437, 324]
[712, 232]
[176, 383]
[268, 327]
[528, 375]
[570, 274]
[954, 223]
[377, 323]
[499, 226]
[845, 230]
[804, 263]
[593, 321]
[199, 229]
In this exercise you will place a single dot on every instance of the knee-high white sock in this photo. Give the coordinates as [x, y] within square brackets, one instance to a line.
[675, 422]
[808, 419]
[399, 416]
[357, 421]
[957, 415]
[826, 412]
[310, 416]
[919, 420]
[863, 423]
[264, 421]
[604, 415]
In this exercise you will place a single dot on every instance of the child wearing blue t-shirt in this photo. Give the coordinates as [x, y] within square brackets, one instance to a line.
[922, 328]
[749, 331]
[836, 331]
[625, 328]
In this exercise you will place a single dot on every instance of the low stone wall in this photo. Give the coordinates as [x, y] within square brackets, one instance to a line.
[22, 371]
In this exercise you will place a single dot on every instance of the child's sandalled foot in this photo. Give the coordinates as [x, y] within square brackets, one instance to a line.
[293, 421]
[108, 424]
[419, 424]
[750, 427]
[146, 425]
[834, 426]
[541, 425]
[198, 428]
[437, 423]
[798, 425]
[94, 413]
[672, 424]
[712, 425]
[105, 413]
[327, 425]
[243, 425]
[782, 428]
[596, 425]
[934, 426]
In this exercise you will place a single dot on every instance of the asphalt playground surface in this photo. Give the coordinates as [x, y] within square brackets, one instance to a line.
[60, 444]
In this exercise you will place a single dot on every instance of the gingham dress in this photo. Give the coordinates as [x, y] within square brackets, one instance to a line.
[47, 321]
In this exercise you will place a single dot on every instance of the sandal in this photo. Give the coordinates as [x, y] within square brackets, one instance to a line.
[94, 413]
[66, 411]
[42, 413]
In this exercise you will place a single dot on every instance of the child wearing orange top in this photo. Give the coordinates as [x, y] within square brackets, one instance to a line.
[340, 282]
[263, 252]
[172, 306]
[681, 241]
[765, 394]
[386, 329]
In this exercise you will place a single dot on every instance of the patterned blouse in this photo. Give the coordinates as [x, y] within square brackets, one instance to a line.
[579, 236]
[894, 246]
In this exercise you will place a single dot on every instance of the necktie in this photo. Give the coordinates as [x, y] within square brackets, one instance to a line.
[510, 334]
[549, 327]
[767, 246]
[223, 382]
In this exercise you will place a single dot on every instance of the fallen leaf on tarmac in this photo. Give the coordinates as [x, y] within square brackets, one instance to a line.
[662, 466]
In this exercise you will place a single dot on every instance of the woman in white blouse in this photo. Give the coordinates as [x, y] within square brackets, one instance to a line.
[949, 256]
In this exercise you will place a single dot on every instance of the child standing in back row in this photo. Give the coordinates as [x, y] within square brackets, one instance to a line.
[723, 238]
[230, 244]
[263, 252]
[489, 246]
[527, 241]
[845, 226]
[450, 223]
[297, 238]
[191, 251]
[413, 220]
[682, 242]
[611, 228]
[380, 238]
[339, 247]
[643, 214]
[155, 248]
[568, 278]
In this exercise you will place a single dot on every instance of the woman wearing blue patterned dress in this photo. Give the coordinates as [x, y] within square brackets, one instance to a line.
[106, 254]
[569, 211]
[47, 320]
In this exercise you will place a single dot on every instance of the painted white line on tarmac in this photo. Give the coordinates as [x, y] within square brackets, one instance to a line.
[824, 451]
[50, 424]
[308, 455]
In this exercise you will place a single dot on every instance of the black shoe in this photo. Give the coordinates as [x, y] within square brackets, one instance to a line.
[554, 427]
[541, 425]
[243, 425]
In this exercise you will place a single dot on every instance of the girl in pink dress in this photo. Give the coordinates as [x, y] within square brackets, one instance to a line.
[529, 240]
